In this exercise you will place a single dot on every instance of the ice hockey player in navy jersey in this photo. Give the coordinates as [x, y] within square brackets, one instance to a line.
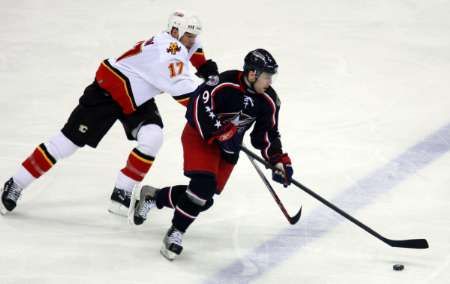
[218, 115]
[124, 89]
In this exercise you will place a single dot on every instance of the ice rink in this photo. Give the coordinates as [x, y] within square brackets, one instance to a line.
[365, 116]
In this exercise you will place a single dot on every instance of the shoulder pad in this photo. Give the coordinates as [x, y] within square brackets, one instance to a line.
[230, 76]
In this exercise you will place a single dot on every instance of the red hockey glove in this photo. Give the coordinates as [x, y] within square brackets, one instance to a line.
[283, 173]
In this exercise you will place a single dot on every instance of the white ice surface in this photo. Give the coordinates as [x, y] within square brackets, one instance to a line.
[360, 82]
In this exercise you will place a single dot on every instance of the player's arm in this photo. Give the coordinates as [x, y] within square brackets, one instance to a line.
[206, 106]
[172, 76]
[183, 99]
[205, 68]
[266, 137]
[198, 58]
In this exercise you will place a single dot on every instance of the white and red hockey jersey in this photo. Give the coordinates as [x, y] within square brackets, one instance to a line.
[158, 65]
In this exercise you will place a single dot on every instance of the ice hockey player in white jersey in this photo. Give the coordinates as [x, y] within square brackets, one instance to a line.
[124, 89]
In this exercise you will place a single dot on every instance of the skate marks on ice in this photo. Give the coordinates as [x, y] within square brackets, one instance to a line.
[289, 241]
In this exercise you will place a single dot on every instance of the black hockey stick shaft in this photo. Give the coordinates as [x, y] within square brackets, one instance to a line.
[292, 220]
[411, 243]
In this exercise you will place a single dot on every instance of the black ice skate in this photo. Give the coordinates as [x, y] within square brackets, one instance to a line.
[120, 201]
[171, 247]
[142, 201]
[10, 194]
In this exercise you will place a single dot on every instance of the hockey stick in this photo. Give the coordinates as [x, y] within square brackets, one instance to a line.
[292, 220]
[412, 243]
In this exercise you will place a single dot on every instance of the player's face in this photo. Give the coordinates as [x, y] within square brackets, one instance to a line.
[188, 40]
[263, 82]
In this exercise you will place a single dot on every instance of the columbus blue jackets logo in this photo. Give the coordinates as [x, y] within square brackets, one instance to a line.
[173, 48]
[240, 119]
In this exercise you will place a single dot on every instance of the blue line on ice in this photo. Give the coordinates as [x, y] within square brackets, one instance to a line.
[315, 225]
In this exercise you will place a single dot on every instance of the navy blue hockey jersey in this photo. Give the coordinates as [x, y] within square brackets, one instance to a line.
[214, 104]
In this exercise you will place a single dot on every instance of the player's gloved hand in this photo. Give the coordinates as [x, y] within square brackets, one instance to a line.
[228, 139]
[284, 171]
[207, 69]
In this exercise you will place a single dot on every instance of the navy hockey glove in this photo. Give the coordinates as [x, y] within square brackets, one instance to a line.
[209, 68]
[284, 171]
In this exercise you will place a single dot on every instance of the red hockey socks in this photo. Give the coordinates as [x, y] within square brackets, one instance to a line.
[39, 162]
[138, 165]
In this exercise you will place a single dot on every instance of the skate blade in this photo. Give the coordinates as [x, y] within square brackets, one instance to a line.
[135, 196]
[3, 210]
[169, 255]
[118, 209]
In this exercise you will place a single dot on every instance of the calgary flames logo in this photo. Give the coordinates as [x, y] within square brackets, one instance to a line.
[173, 48]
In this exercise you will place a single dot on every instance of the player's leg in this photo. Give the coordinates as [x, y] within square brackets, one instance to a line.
[43, 158]
[170, 195]
[223, 174]
[201, 189]
[145, 126]
[148, 197]
[87, 124]
[197, 198]
[201, 164]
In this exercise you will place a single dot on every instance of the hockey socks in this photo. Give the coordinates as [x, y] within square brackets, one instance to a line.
[185, 213]
[43, 158]
[138, 164]
[169, 197]
[39, 162]
[200, 190]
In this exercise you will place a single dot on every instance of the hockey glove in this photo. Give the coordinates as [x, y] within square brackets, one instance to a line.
[209, 68]
[228, 140]
[284, 171]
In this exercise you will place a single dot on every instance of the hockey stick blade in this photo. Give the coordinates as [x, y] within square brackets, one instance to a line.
[291, 219]
[412, 243]
[294, 219]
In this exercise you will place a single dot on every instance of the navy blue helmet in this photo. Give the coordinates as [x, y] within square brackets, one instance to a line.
[260, 60]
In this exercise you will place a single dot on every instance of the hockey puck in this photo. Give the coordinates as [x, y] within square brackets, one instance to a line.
[398, 267]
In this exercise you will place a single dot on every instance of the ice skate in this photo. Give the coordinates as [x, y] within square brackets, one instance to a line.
[10, 194]
[120, 202]
[172, 247]
[142, 201]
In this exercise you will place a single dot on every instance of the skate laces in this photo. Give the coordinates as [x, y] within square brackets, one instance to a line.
[123, 194]
[145, 208]
[13, 191]
[175, 237]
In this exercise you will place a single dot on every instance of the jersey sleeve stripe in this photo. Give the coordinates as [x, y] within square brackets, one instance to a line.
[272, 106]
[184, 102]
[117, 85]
[197, 123]
[183, 99]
